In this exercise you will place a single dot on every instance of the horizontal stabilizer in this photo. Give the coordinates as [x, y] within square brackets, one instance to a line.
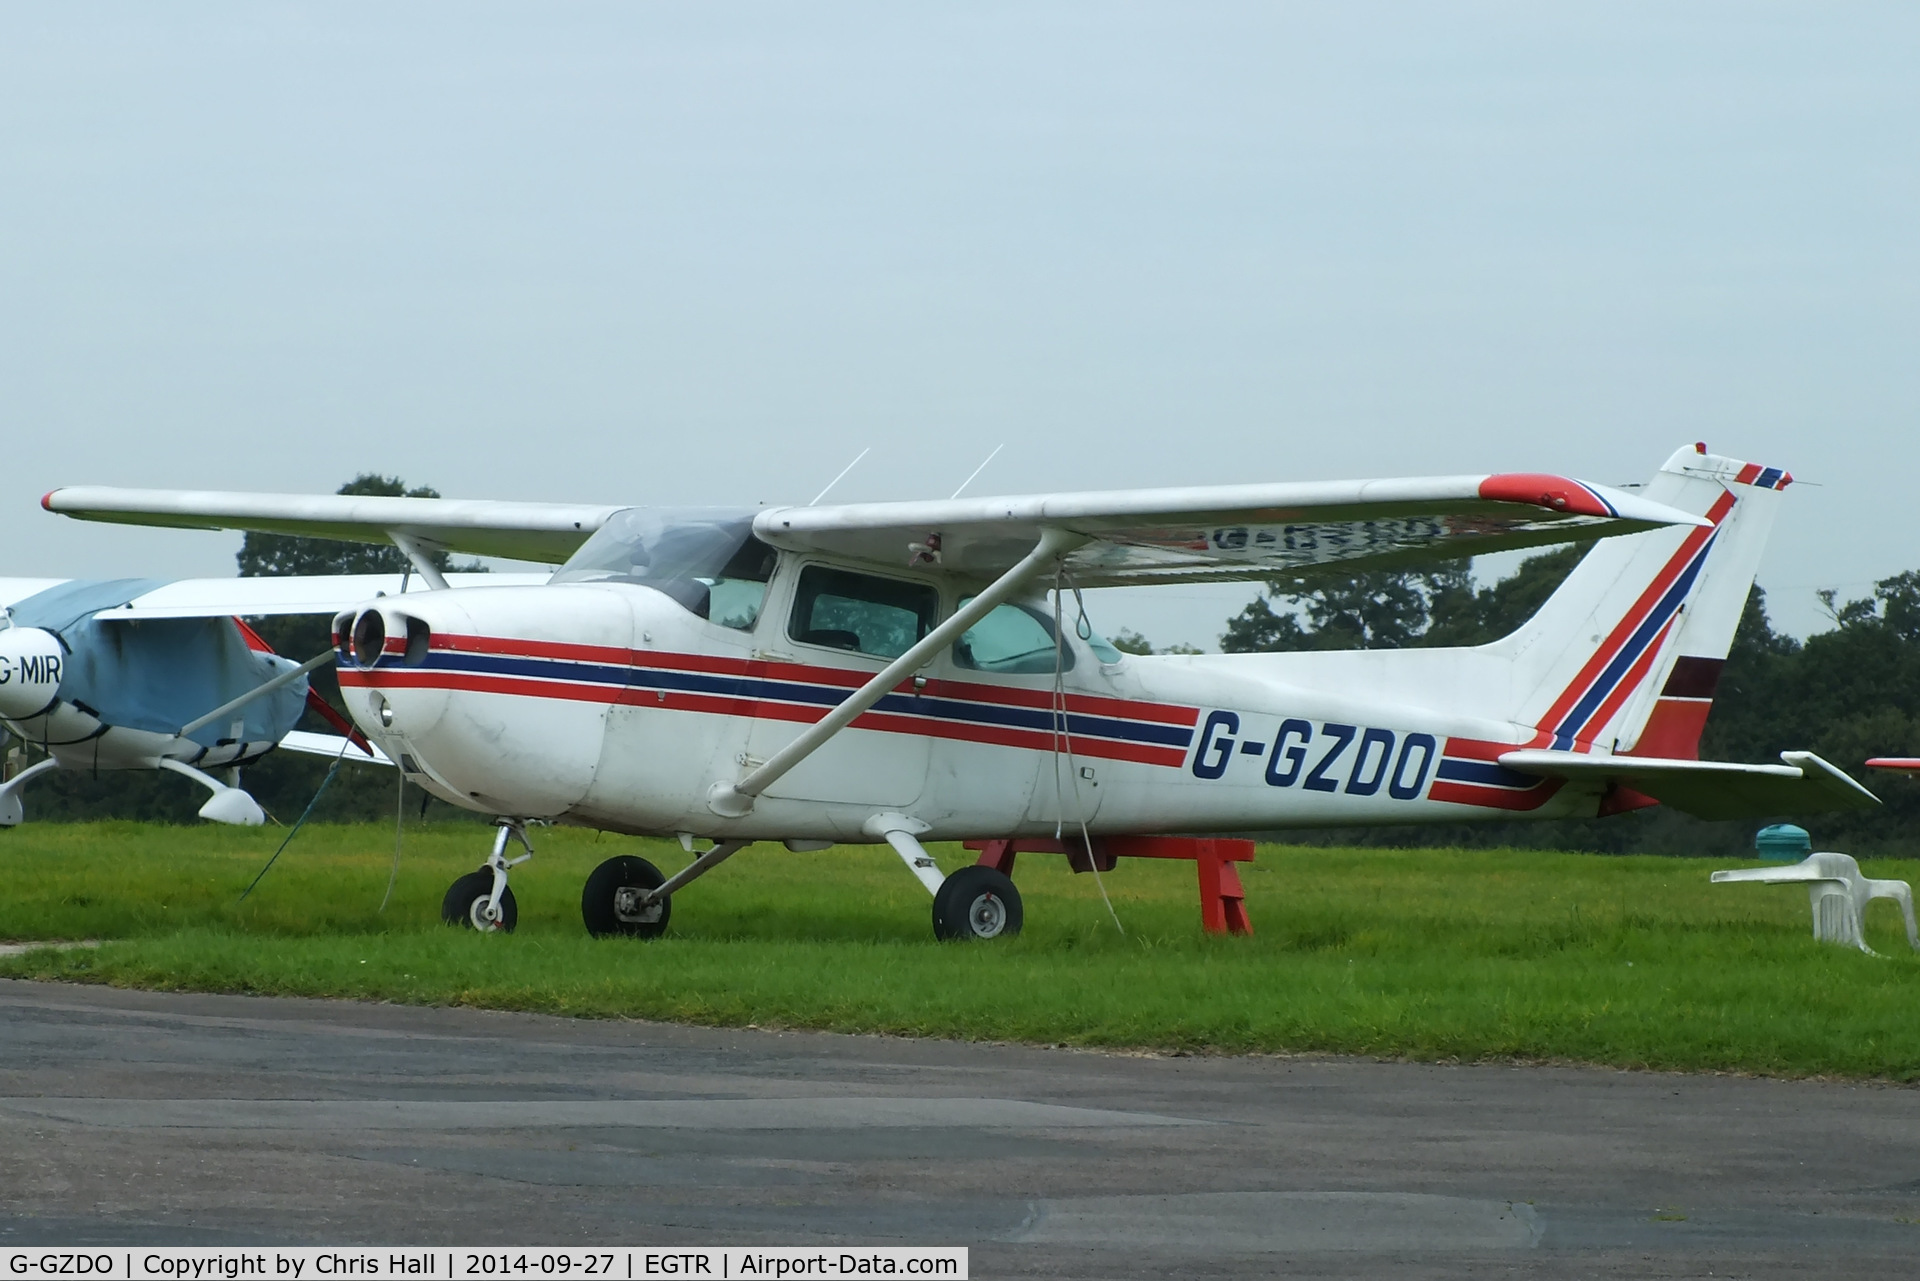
[1804, 784]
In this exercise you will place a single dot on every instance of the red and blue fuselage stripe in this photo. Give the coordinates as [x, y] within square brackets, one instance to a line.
[1007, 715]
[1454, 769]
[1470, 773]
[909, 702]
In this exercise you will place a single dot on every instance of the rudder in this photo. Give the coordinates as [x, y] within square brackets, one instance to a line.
[1625, 655]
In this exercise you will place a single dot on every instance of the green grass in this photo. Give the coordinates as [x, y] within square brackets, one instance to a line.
[1635, 962]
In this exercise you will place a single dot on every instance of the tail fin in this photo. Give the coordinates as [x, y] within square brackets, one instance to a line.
[1625, 655]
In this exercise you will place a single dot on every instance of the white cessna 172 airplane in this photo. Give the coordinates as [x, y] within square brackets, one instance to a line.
[896, 672]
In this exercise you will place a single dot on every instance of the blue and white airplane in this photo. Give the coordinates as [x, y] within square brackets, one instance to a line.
[129, 674]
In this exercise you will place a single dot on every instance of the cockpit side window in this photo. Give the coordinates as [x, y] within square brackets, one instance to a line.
[861, 613]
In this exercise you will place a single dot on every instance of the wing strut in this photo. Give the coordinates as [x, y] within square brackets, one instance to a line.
[735, 800]
[423, 564]
[285, 678]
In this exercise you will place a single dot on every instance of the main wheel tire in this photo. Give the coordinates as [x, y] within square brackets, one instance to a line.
[466, 900]
[604, 906]
[976, 903]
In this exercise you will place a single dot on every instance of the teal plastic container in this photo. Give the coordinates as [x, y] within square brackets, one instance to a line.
[1783, 843]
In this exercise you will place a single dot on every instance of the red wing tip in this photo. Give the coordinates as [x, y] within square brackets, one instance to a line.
[1555, 493]
[1895, 762]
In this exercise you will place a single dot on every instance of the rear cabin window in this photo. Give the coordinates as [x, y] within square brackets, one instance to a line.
[1013, 640]
[881, 617]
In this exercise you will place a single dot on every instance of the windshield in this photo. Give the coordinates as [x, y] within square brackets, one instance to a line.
[704, 558]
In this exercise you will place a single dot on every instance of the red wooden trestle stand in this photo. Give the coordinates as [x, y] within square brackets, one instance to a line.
[1223, 908]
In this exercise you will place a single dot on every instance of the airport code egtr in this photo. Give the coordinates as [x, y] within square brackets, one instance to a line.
[391, 1263]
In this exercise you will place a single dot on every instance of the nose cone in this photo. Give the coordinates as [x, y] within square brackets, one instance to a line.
[472, 690]
[385, 661]
[32, 662]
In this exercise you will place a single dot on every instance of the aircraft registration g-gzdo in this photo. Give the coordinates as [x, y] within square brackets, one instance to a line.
[897, 672]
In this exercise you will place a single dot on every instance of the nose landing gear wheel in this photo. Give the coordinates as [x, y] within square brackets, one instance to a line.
[976, 903]
[466, 904]
[610, 903]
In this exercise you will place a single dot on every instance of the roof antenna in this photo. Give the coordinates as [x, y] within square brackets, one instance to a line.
[842, 476]
[976, 471]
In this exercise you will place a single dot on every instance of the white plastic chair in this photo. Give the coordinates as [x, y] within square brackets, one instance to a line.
[1839, 896]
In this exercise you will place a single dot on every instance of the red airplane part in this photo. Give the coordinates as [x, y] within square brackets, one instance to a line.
[320, 706]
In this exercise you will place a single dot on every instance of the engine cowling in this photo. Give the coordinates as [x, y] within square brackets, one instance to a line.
[32, 660]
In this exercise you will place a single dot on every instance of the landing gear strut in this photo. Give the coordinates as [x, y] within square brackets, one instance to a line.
[12, 813]
[615, 901]
[627, 895]
[976, 903]
[481, 900]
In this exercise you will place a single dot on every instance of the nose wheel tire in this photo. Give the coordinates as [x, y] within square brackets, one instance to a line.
[976, 903]
[466, 904]
[610, 903]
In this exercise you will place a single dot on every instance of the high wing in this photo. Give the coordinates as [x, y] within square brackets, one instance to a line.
[545, 533]
[316, 594]
[15, 590]
[1228, 532]
[133, 599]
[1223, 532]
[1804, 784]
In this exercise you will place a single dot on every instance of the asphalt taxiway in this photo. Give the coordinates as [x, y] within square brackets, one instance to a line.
[156, 1118]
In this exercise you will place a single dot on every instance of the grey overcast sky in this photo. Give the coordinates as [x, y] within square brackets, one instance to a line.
[708, 252]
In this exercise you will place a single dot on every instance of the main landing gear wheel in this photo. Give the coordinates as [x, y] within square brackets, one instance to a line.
[610, 903]
[976, 903]
[466, 904]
